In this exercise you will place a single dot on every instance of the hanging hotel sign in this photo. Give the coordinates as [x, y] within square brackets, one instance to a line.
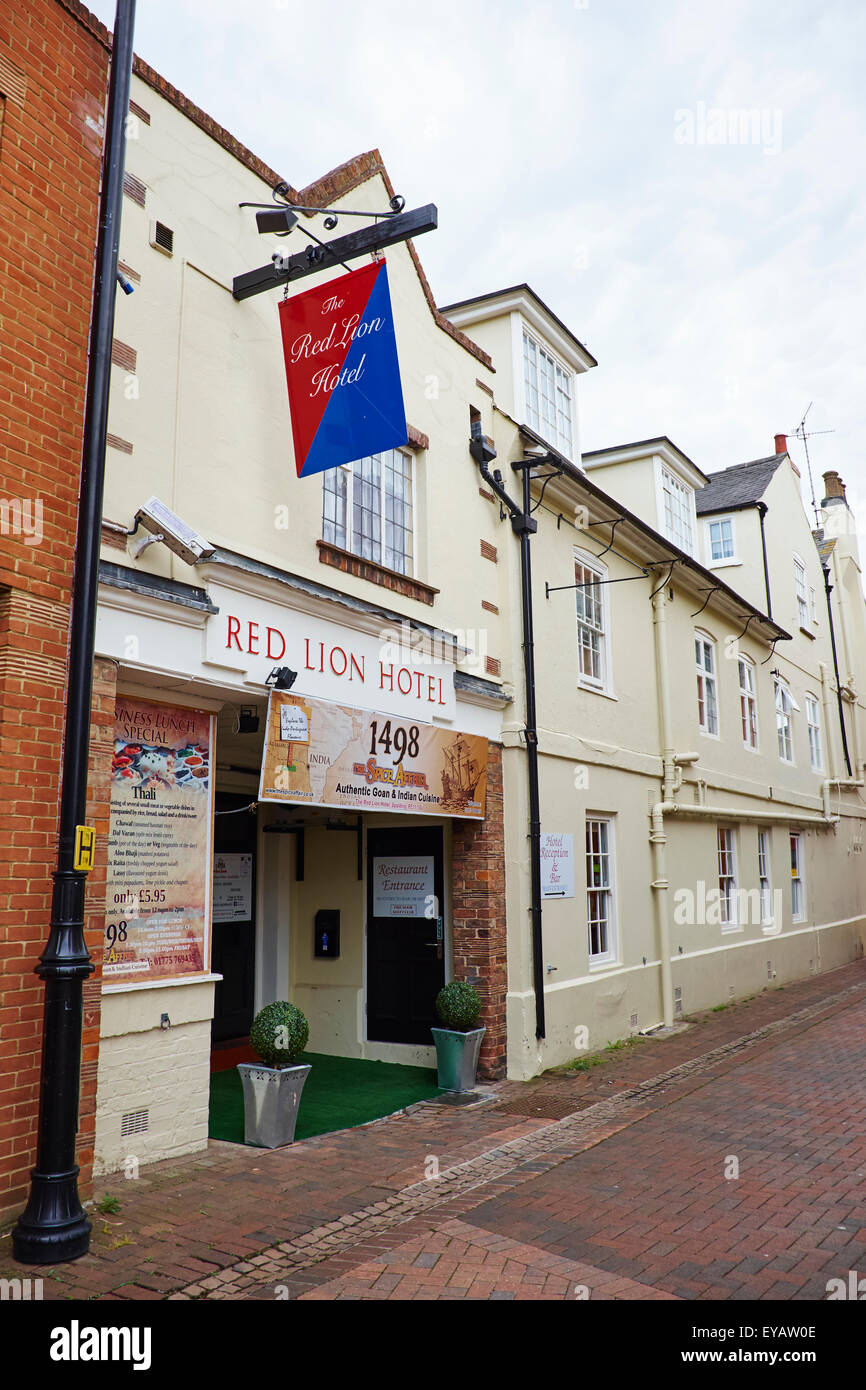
[343, 376]
[159, 846]
[322, 754]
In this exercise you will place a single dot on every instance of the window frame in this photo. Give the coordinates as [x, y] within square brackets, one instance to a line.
[729, 900]
[733, 558]
[750, 696]
[765, 876]
[346, 471]
[611, 954]
[814, 726]
[664, 472]
[801, 592]
[590, 563]
[781, 686]
[798, 881]
[564, 443]
[705, 638]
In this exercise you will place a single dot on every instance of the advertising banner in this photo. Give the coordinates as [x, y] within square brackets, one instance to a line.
[345, 396]
[322, 754]
[157, 923]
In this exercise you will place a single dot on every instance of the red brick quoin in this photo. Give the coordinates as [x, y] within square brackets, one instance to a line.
[478, 894]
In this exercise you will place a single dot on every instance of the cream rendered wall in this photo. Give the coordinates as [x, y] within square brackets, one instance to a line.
[211, 429]
[633, 482]
[746, 573]
[144, 1066]
[207, 414]
[602, 756]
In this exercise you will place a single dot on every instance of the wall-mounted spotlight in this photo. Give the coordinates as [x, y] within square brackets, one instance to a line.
[248, 720]
[277, 221]
[282, 678]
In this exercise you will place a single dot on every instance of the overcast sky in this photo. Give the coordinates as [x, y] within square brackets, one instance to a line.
[576, 145]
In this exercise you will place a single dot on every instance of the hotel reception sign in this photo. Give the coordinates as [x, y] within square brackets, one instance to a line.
[322, 754]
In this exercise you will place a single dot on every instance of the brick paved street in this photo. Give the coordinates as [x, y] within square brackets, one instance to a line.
[624, 1197]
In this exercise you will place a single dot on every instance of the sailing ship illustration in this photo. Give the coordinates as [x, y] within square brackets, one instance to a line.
[460, 776]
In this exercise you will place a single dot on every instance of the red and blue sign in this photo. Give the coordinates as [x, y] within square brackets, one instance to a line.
[345, 395]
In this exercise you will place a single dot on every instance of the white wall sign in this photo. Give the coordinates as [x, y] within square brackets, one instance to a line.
[403, 886]
[294, 724]
[557, 866]
[232, 887]
[382, 671]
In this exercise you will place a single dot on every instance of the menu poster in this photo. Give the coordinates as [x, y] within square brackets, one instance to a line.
[157, 923]
[232, 887]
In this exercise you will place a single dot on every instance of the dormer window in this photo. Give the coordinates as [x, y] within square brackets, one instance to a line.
[548, 391]
[676, 510]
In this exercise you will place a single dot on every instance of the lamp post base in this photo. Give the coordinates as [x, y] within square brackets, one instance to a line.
[53, 1227]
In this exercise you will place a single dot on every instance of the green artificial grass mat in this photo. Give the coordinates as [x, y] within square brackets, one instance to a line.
[339, 1093]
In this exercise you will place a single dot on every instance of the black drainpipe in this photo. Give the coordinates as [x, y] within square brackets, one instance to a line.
[762, 512]
[523, 526]
[828, 589]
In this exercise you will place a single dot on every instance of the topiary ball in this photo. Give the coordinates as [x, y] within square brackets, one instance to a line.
[458, 1006]
[279, 1034]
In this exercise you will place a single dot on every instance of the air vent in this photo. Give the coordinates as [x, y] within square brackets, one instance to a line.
[678, 1001]
[633, 1021]
[135, 1122]
[162, 238]
[769, 970]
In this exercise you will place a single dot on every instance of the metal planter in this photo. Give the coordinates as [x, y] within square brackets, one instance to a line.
[272, 1096]
[457, 1057]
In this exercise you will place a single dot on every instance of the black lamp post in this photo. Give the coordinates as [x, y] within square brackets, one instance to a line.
[53, 1227]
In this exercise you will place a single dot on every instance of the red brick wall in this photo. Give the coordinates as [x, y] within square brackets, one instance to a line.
[478, 913]
[53, 76]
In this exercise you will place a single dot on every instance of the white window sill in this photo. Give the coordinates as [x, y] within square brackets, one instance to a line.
[723, 564]
[596, 690]
[806, 633]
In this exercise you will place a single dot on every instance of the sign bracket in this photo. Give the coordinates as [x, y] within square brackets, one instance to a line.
[392, 229]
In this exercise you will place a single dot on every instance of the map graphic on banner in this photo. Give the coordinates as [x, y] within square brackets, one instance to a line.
[158, 883]
[338, 756]
[342, 372]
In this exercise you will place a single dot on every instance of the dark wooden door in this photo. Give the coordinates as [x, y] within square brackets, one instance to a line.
[234, 941]
[405, 933]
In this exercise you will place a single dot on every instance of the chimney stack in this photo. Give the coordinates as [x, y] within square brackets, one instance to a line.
[834, 489]
[781, 444]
